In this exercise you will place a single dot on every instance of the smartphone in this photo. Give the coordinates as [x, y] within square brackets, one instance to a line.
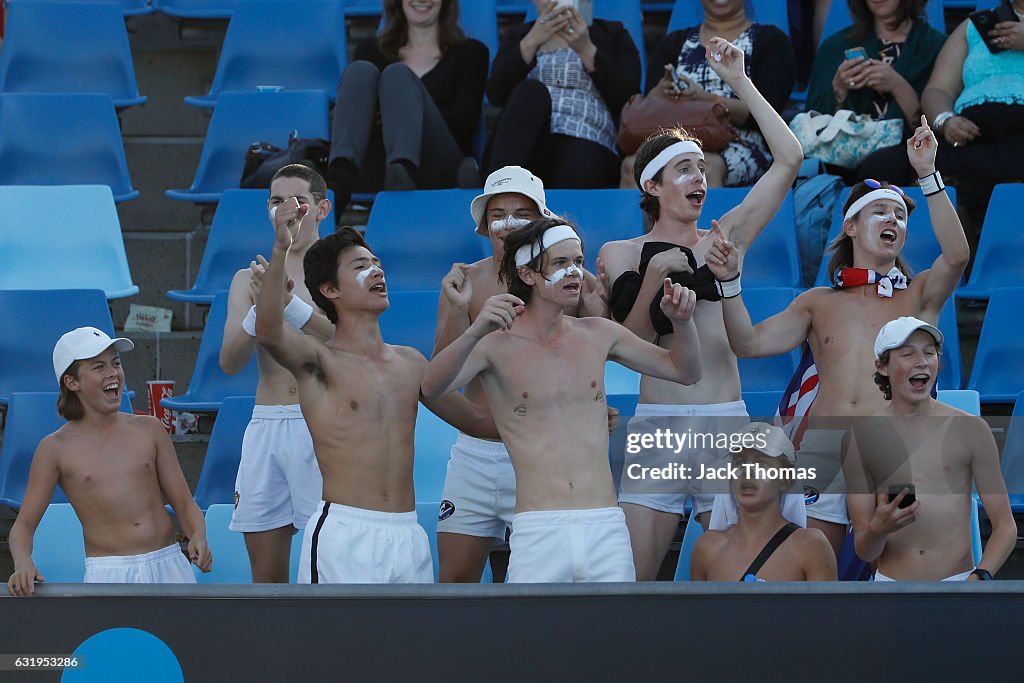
[986, 19]
[908, 500]
[584, 7]
[677, 80]
[855, 52]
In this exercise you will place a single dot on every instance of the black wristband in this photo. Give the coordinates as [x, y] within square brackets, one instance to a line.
[982, 574]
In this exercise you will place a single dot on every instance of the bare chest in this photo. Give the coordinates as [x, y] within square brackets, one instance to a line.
[552, 375]
[373, 389]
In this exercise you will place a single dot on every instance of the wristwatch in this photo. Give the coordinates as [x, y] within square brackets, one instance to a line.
[941, 119]
[982, 574]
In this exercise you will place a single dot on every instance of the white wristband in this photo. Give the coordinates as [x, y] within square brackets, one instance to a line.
[297, 313]
[730, 288]
[249, 322]
[931, 184]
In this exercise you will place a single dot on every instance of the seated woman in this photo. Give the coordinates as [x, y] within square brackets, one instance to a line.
[975, 100]
[411, 98]
[562, 85]
[901, 48]
[770, 64]
[757, 528]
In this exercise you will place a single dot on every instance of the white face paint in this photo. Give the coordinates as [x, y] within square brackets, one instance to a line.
[561, 274]
[875, 219]
[367, 272]
[273, 213]
[506, 224]
[684, 179]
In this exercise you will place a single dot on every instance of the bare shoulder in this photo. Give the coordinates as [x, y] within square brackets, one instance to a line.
[592, 325]
[409, 355]
[712, 541]
[620, 256]
[146, 424]
[809, 542]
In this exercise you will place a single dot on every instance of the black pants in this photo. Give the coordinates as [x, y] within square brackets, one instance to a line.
[997, 156]
[383, 117]
[524, 138]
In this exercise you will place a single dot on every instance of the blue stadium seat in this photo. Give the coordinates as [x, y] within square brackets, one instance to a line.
[426, 515]
[129, 8]
[433, 448]
[772, 373]
[921, 248]
[364, 8]
[42, 317]
[951, 369]
[230, 558]
[998, 372]
[773, 259]
[254, 54]
[63, 139]
[76, 243]
[196, 9]
[619, 379]
[242, 118]
[66, 47]
[58, 547]
[602, 216]
[513, 6]
[1012, 461]
[31, 416]
[415, 249]
[224, 452]
[479, 20]
[687, 13]
[626, 11]
[210, 385]
[839, 17]
[240, 230]
[693, 531]
[411, 320]
[997, 260]
[961, 399]
[762, 404]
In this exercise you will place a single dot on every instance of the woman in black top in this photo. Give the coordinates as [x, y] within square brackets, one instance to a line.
[562, 85]
[408, 104]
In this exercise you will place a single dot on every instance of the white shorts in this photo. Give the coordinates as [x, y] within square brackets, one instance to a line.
[278, 482]
[825, 498]
[167, 565]
[670, 496]
[568, 546]
[963, 576]
[344, 544]
[479, 496]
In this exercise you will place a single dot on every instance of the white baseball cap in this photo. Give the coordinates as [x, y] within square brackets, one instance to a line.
[895, 333]
[514, 179]
[775, 441]
[83, 343]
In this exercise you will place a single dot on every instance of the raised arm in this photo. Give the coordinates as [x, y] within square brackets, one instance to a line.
[461, 361]
[175, 490]
[42, 480]
[743, 223]
[453, 306]
[945, 273]
[681, 363]
[992, 489]
[292, 350]
[780, 333]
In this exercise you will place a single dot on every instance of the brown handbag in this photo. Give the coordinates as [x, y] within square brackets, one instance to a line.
[643, 117]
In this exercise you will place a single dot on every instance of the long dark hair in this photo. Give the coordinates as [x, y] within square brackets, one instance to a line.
[652, 147]
[395, 33]
[508, 272]
[864, 20]
[842, 246]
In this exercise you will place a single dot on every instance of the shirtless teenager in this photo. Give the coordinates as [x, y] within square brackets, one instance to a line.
[840, 323]
[116, 470]
[939, 450]
[543, 374]
[359, 398]
[480, 486]
[758, 512]
[278, 482]
[670, 171]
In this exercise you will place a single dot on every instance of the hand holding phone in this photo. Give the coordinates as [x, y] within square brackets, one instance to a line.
[985, 20]
[908, 500]
[855, 52]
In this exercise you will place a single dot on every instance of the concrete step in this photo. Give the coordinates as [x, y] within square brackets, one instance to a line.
[157, 164]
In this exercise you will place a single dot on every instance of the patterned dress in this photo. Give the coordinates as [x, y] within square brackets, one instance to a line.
[577, 109]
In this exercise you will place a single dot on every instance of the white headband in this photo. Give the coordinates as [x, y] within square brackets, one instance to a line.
[552, 236]
[661, 161]
[881, 193]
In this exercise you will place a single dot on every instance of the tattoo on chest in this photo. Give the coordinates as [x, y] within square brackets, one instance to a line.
[520, 410]
[599, 398]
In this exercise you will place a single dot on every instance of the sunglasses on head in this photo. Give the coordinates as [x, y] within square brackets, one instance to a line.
[875, 185]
